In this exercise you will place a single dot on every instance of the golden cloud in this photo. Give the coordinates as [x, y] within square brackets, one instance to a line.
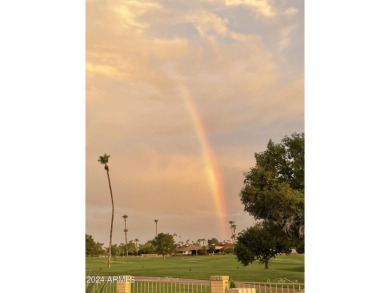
[261, 7]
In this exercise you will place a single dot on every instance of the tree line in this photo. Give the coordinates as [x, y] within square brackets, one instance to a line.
[163, 244]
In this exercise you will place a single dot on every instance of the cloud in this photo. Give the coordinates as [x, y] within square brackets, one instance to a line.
[291, 11]
[205, 22]
[223, 69]
[129, 12]
[231, 76]
[106, 70]
[285, 36]
[261, 7]
[156, 64]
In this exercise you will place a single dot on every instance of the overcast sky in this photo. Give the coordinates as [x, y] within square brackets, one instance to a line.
[241, 62]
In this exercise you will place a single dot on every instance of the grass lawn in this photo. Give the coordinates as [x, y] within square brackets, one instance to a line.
[200, 267]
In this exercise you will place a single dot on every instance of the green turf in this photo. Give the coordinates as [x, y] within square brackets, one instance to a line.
[200, 267]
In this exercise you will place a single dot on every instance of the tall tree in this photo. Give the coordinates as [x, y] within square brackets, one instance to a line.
[261, 242]
[165, 244]
[203, 251]
[147, 248]
[233, 227]
[132, 248]
[115, 250]
[125, 230]
[274, 189]
[156, 221]
[99, 248]
[89, 245]
[211, 243]
[104, 160]
[136, 244]
[122, 249]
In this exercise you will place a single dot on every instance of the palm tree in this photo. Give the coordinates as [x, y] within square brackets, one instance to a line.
[233, 227]
[104, 160]
[156, 226]
[231, 223]
[136, 244]
[127, 252]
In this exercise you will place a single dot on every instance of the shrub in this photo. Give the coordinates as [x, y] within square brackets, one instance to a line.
[228, 250]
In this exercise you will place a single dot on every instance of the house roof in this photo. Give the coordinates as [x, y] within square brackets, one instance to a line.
[228, 245]
[188, 248]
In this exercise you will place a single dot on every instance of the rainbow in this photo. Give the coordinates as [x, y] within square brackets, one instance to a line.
[213, 174]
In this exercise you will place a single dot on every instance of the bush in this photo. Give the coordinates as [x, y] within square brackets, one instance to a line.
[228, 250]
[232, 283]
[300, 248]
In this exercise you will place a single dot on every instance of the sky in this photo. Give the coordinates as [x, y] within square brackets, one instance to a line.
[181, 94]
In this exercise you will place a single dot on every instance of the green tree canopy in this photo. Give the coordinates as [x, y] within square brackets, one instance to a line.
[115, 250]
[211, 244]
[165, 244]
[261, 243]
[212, 241]
[274, 189]
[89, 245]
[99, 248]
[92, 248]
[132, 248]
[147, 248]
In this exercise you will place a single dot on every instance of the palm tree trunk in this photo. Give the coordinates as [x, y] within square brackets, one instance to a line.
[112, 220]
[127, 252]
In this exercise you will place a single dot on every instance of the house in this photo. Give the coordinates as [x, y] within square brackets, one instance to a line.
[221, 246]
[218, 247]
[227, 245]
[188, 249]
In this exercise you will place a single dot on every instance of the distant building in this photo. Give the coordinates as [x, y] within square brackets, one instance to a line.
[227, 245]
[220, 247]
[188, 249]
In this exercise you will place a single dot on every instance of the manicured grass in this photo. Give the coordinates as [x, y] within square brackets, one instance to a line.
[200, 267]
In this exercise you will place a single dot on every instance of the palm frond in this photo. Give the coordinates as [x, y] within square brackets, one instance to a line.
[104, 159]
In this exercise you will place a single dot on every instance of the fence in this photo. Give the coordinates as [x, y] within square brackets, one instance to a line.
[147, 285]
[217, 284]
[170, 285]
[277, 286]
